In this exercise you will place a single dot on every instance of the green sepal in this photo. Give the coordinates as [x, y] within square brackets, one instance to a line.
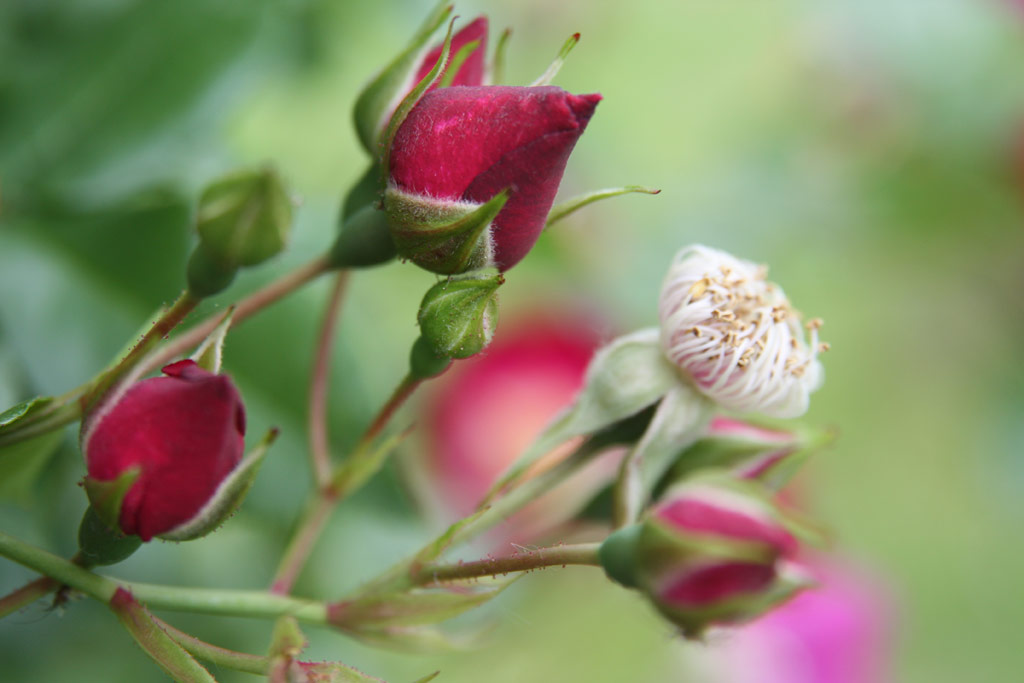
[210, 353]
[287, 638]
[106, 497]
[624, 377]
[100, 544]
[334, 672]
[428, 677]
[618, 555]
[26, 411]
[549, 74]
[410, 101]
[379, 97]
[457, 316]
[244, 218]
[423, 362]
[415, 607]
[443, 236]
[497, 69]
[681, 418]
[574, 204]
[366, 191]
[206, 275]
[227, 498]
[363, 241]
[456, 62]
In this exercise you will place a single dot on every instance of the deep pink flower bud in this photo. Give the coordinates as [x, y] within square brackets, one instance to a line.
[713, 551]
[460, 147]
[184, 433]
[471, 72]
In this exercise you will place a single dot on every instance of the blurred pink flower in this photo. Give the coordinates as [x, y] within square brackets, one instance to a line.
[489, 408]
[838, 632]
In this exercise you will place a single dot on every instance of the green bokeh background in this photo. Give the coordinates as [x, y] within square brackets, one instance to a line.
[861, 147]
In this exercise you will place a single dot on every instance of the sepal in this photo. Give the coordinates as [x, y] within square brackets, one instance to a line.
[210, 352]
[227, 498]
[569, 206]
[106, 497]
[457, 316]
[379, 98]
[443, 236]
[100, 544]
[364, 240]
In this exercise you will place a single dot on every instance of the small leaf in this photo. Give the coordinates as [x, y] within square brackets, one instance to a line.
[22, 462]
[227, 498]
[210, 353]
[106, 496]
[417, 606]
[335, 672]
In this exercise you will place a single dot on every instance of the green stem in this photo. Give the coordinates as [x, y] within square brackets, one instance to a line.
[218, 656]
[347, 478]
[200, 600]
[48, 564]
[27, 594]
[319, 447]
[561, 555]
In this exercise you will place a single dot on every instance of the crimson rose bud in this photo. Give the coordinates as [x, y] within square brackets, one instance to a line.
[461, 147]
[711, 552]
[182, 434]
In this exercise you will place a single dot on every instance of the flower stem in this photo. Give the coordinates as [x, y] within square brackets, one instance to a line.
[318, 438]
[218, 656]
[246, 308]
[345, 480]
[559, 555]
[57, 568]
[27, 594]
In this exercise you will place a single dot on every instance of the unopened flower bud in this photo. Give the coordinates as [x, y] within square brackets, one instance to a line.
[161, 454]
[735, 335]
[713, 551]
[381, 96]
[457, 316]
[458, 151]
[244, 219]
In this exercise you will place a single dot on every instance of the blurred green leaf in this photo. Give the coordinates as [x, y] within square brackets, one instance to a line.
[22, 463]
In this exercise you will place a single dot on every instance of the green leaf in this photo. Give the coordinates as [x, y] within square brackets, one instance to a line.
[416, 607]
[227, 498]
[21, 464]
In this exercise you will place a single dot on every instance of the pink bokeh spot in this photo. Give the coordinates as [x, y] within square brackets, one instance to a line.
[838, 632]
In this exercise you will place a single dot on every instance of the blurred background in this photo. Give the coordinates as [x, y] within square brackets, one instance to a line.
[871, 151]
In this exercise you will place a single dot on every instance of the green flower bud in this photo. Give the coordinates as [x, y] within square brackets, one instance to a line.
[457, 316]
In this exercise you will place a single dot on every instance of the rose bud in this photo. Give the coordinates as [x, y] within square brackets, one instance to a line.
[736, 337]
[164, 457]
[713, 551]
[838, 631]
[473, 173]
